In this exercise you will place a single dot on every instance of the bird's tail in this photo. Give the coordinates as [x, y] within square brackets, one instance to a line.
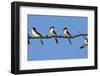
[56, 40]
[28, 41]
[41, 41]
[70, 41]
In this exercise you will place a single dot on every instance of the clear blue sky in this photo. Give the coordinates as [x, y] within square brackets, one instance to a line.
[50, 50]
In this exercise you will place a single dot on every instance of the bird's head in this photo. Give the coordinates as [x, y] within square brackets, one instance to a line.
[33, 28]
[52, 27]
[65, 28]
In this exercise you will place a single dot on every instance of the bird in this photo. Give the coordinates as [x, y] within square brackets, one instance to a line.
[85, 43]
[53, 33]
[36, 34]
[67, 34]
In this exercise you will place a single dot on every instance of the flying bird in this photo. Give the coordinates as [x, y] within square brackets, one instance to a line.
[53, 33]
[85, 43]
[67, 34]
[37, 34]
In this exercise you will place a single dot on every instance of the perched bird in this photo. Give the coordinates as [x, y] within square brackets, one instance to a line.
[85, 43]
[67, 34]
[53, 33]
[37, 34]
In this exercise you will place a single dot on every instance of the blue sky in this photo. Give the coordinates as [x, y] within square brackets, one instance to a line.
[50, 50]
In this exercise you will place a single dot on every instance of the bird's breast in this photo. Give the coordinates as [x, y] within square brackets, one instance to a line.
[52, 33]
[34, 34]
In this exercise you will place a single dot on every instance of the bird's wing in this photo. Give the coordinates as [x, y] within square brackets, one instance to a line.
[39, 34]
[55, 33]
[84, 46]
[68, 33]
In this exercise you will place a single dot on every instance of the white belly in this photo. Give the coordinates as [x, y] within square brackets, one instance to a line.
[34, 34]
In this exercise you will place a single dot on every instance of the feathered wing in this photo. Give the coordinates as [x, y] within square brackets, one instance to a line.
[41, 38]
[39, 34]
[82, 46]
[56, 37]
[69, 36]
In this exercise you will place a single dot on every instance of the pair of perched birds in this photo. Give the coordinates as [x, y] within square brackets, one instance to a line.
[53, 34]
